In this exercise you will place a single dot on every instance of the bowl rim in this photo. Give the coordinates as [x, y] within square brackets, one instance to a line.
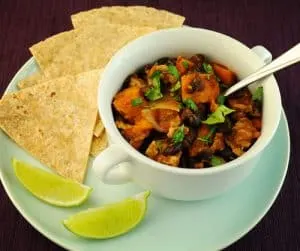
[118, 139]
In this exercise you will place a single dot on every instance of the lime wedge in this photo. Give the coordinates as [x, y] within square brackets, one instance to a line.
[50, 187]
[110, 220]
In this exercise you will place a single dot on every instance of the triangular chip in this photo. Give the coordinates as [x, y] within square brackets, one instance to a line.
[132, 15]
[45, 51]
[99, 144]
[54, 121]
[99, 127]
[91, 49]
[31, 80]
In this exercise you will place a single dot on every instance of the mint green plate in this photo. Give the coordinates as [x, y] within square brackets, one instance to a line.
[169, 225]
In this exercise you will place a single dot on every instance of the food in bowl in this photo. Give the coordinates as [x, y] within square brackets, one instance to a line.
[173, 111]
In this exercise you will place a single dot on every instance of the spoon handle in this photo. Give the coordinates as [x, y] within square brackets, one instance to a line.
[290, 57]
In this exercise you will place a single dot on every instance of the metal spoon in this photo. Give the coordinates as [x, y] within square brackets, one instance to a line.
[288, 58]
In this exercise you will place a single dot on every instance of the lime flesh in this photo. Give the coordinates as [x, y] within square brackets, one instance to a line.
[50, 187]
[110, 220]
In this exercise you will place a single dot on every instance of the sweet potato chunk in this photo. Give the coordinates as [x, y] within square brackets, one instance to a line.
[136, 133]
[155, 152]
[183, 65]
[218, 143]
[123, 103]
[241, 101]
[227, 76]
[243, 135]
[201, 88]
[200, 146]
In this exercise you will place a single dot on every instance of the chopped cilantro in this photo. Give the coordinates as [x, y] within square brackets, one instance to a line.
[221, 99]
[206, 138]
[208, 68]
[154, 92]
[185, 64]
[216, 160]
[190, 104]
[258, 94]
[173, 70]
[178, 136]
[218, 116]
[175, 87]
[136, 101]
[155, 74]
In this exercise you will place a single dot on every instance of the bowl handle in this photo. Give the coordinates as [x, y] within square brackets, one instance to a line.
[110, 165]
[264, 54]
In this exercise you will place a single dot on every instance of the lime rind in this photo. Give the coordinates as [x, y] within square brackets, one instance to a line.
[49, 187]
[104, 222]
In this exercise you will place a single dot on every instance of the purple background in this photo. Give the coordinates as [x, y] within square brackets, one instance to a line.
[274, 24]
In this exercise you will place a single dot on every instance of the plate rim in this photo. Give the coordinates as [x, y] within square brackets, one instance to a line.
[235, 238]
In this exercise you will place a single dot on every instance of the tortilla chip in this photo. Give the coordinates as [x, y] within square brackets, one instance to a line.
[99, 128]
[54, 121]
[91, 49]
[132, 15]
[33, 79]
[44, 51]
[99, 144]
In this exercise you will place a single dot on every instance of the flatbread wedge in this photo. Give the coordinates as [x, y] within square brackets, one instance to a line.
[54, 121]
[132, 15]
[45, 51]
[31, 80]
[99, 144]
[91, 49]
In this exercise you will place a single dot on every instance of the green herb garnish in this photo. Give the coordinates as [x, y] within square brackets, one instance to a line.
[208, 68]
[221, 99]
[206, 138]
[185, 64]
[136, 101]
[155, 74]
[218, 116]
[216, 160]
[173, 70]
[258, 94]
[178, 136]
[154, 92]
[175, 87]
[190, 104]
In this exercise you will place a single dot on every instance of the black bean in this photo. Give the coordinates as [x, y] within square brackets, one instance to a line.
[225, 127]
[198, 60]
[227, 153]
[163, 60]
[190, 118]
[173, 149]
[197, 85]
[189, 138]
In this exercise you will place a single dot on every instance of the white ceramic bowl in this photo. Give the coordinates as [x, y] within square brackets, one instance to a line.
[120, 162]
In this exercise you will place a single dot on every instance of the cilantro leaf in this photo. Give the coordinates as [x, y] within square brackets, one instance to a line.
[176, 87]
[136, 101]
[185, 64]
[258, 94]
[190, 104]
[221, 99]
[178, 136]
[155, 74]
[208, 68]
[216, 160]
[173, 70]
[218, 116]
[154, 92]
